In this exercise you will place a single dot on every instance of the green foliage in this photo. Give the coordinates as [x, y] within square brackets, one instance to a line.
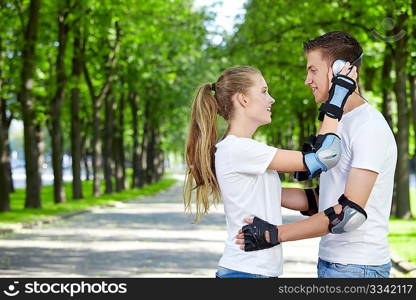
[275, 42]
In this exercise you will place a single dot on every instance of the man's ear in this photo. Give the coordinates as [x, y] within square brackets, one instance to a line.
[240, 99]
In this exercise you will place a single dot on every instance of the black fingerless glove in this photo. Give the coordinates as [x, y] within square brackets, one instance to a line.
[255, 235]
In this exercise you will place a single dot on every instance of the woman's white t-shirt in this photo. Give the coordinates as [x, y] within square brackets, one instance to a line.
[248, 189]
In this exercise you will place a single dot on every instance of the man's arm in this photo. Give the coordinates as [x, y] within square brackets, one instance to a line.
[359, 185]
[358, 188]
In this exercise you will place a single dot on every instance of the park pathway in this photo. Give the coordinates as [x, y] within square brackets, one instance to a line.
[144, 237]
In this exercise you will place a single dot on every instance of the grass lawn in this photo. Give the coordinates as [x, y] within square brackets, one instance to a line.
[402, 233]
[20, 215]
[402, 238]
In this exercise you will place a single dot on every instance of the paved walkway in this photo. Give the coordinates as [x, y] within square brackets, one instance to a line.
[144, 237]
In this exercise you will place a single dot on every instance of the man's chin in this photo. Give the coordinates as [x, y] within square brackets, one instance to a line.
[319, 99]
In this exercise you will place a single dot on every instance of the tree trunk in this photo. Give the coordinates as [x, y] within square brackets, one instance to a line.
[159, 158]
[56, 132]
[107, 145]
[86, 166]
[289, 136]
[148, 154]
[136, 161]
[386, 87]
[403, 200]
[40, 142]
[151, 156]
[118, 147]
[412, 83]
[4, 153]
[144, 161]
[97, 104]
[9, 165]
[302, 135]
[96, 145]
[161, 165]
[4, 158]
[76, 143]
[32, 152]
[121, 145]
[96, 140]
[412, 78]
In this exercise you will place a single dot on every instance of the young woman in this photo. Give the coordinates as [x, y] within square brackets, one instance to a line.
[242, 171]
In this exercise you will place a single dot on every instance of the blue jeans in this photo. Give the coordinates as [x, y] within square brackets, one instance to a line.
[334, 270]
[227, 273]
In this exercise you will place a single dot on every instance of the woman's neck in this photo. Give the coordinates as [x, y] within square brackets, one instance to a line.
[240, 129]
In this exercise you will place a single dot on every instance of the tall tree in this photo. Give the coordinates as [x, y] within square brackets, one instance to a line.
[402, 180]
[4, 153]
[118, 145]
[76, 143]
[25, 96]
[57, 100]
[97, 101]
[108, 132]
[136, 159]
[387, 86]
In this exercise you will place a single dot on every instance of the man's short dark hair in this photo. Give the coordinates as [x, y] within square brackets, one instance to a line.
[335, 45]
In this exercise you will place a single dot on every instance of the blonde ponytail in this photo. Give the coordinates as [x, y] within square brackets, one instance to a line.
[200, 149]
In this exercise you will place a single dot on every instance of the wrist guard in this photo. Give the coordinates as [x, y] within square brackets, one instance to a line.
[342, 87]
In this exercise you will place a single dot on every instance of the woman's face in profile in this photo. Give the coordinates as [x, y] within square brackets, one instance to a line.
[259, 107]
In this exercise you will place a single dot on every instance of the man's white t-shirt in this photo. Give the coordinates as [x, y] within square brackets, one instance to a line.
[367, 143]
[248, 189]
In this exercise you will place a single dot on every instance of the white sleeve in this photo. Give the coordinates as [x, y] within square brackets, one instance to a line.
[369, 147]
[251, 157]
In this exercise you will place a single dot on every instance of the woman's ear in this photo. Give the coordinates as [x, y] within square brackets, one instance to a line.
[240, 99]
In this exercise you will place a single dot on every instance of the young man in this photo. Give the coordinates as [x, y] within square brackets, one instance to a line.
[364, 175]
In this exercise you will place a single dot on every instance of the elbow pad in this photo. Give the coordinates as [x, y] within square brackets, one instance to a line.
[350, 218]
[325, 155]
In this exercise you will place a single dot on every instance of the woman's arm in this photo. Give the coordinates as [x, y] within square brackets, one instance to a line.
[296, 199]
[289, 161]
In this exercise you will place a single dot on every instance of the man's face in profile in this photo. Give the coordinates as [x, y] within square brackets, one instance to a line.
[318, 76]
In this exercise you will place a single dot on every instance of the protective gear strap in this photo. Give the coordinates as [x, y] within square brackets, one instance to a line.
[312, 205]
[350, 218]
[317, 190]
[342, 87]
[324, 155]
[255, 235]
[308, 146]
